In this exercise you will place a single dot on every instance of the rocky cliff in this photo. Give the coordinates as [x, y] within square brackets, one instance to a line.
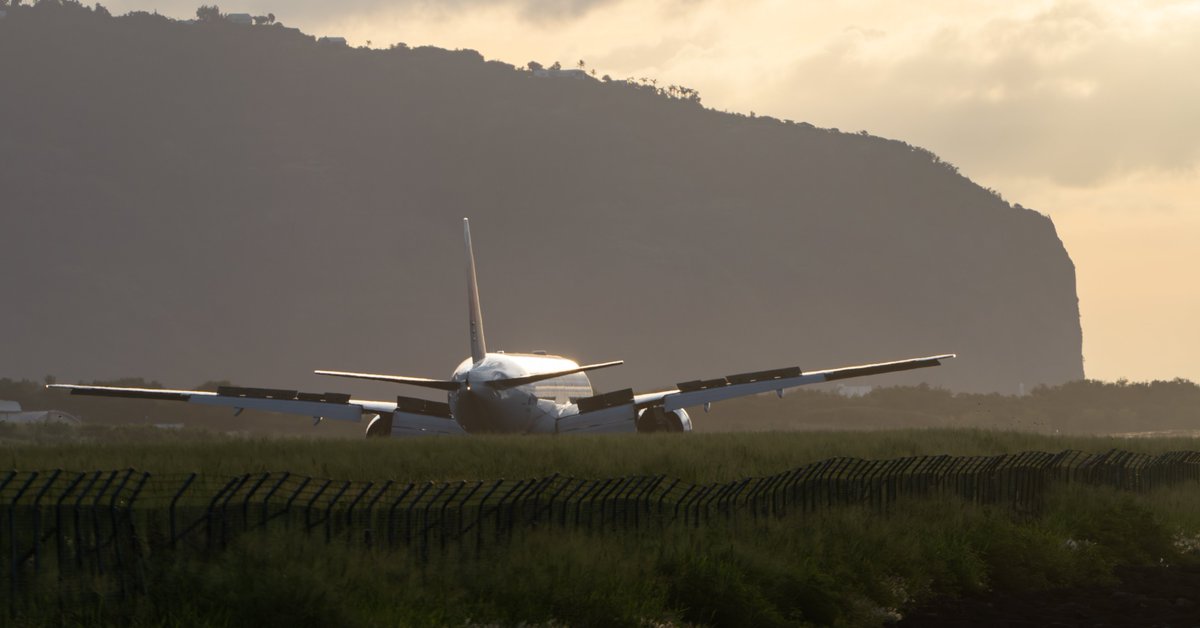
[204, 201]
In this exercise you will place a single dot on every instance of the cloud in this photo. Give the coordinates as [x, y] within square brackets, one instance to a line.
[1073, 92]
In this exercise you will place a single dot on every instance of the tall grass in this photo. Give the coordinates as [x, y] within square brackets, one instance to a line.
[690, 457]
[844, 567]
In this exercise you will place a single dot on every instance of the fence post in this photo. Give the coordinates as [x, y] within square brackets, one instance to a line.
[78, 525]
[679, 502]
[208, 513]
[12, 539]
[642, 501]
[408, 512]
[58, 528]
[329, 510]
[479, 517]
[592, 487]
[370, 516]
[309, 506]
[392, 514]
[460, 518]
[700, 494]
[442, 514]
[423, 550]
[266, 507]
[566, 500]
[287, 506]
[225, 508]
[352, 506]
[37, 521]
[246, 500]
[135, 544]
[116, 541]
[99, 535]
[174, 500]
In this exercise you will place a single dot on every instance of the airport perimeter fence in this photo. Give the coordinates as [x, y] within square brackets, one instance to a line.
[89, 534]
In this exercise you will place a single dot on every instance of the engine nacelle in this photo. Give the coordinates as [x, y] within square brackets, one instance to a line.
[656, 419]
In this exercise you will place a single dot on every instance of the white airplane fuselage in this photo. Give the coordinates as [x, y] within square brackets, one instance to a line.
[480, 407]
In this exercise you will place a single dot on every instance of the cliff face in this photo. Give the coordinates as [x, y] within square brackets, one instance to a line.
[202, 201]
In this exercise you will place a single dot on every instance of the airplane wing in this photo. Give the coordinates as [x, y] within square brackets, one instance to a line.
[701, 392]
[317, 405]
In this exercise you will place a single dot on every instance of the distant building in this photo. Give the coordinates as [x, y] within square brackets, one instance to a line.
[336, 41]
[239, 18]
[854, 391]
[574, 73]
[10, 412]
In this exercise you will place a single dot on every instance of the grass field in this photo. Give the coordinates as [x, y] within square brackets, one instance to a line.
[690, 457]
[844, 566]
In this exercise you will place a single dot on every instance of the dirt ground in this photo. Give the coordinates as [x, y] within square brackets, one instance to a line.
[1145, 596]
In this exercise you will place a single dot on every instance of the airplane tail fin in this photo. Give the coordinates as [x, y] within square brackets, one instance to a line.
[478, 344]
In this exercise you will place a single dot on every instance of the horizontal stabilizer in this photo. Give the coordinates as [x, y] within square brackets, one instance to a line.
[513, 382]
[440, 384]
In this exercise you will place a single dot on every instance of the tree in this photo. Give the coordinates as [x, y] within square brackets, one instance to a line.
[208, 13]
[270, 18]
[533, 66]
[581, 64]
[556, 66]
[101, 10]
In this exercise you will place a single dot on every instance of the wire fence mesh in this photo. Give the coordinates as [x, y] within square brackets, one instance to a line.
[91, 532]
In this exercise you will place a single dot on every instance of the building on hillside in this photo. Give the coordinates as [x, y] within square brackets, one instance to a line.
[336, 41]
[239, 18]
[11, 413]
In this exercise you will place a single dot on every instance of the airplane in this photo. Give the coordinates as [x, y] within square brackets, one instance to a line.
[498, 392]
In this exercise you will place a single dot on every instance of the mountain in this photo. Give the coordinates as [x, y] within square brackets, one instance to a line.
[201, 201]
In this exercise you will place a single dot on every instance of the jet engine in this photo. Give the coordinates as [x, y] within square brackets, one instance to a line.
[656, 419]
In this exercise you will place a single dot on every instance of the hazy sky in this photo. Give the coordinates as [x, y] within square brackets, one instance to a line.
[1086, 111]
